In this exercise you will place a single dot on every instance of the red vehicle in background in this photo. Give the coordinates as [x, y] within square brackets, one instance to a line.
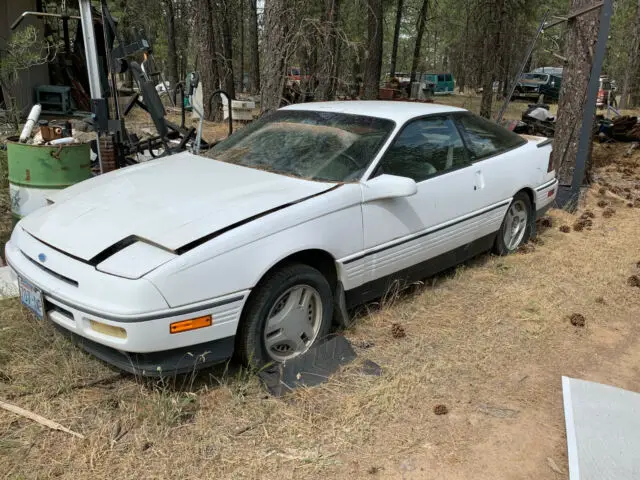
[294, 74]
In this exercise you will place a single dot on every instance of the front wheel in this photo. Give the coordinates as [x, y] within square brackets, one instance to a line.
[287, 313]
[517, 225]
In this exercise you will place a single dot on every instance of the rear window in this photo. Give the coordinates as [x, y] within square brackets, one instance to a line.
[485, 138]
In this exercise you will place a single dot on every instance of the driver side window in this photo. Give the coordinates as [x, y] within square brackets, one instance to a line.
[425, 148]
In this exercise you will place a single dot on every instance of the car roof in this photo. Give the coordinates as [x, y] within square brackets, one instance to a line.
[397, 111]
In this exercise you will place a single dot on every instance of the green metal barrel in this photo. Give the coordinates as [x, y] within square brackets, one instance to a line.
[35, 170]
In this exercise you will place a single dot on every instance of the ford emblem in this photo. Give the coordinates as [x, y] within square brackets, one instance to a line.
[42, 257]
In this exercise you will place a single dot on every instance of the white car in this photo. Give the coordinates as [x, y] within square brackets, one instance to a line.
[261, 246]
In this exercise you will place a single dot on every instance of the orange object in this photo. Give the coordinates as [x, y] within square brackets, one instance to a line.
[192, 324]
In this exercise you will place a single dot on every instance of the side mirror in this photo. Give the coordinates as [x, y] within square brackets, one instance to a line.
[388, 186]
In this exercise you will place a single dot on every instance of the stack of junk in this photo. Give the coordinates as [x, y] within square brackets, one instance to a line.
[46, 157]
[536, 120]
[621, 129]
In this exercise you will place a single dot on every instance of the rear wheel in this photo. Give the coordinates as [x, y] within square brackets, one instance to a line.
[517, 225]
[288, 312]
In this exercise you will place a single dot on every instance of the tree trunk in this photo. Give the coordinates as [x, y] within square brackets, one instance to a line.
[422, 19]
[373, 65]
[275, 55]
[207, 54]
[462, 78]
[492, 46]
[329, 53]
[172, 51]
[224, 20]
[582, 34]
[254, 52]
[241, 59]
[396, 37]
[631, 72]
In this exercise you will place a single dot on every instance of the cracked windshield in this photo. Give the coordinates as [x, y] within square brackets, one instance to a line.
[323, 146]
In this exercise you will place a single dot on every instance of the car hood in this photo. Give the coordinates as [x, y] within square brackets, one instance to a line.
[170, 202]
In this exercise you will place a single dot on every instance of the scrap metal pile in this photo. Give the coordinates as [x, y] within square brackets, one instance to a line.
[536, 120]
[621, 129]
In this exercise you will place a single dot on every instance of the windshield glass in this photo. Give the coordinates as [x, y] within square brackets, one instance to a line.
[323, 146]
[535, 77]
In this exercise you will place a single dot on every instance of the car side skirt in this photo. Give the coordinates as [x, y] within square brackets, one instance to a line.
[379, 287]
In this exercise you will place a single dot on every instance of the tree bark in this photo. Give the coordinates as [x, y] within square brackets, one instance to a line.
[172, 51]
[631, 73]
[275, 55]
[492, 46]
[254, 52]
[582, 34]
[373, 65]
[241, 59]
[422, 20]
[329, 53]
[462, 77]
[227, 47]
[207, 54]
[396, 37]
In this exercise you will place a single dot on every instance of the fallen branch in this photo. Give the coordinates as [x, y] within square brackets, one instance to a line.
[246, 428]
[101, 381]
[37, 418]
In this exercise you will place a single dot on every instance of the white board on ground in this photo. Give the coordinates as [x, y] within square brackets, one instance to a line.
[8, 283]
[603, 431]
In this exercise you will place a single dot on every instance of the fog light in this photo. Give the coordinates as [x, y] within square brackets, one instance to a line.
[192, 324]
[108, 330]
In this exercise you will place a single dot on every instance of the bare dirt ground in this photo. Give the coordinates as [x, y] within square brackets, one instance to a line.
[486, 343]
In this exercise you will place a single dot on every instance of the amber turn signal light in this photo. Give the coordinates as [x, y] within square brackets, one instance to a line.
[192, 324]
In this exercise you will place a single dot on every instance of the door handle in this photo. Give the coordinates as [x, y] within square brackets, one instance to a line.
[479, 180]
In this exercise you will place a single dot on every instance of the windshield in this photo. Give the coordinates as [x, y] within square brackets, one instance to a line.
[323, 146]
[535, 77]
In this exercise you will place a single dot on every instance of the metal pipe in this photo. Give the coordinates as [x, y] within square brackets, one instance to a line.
[180, 86]
[91, 52]
[574, 14]
[19, 20]
[222, 92]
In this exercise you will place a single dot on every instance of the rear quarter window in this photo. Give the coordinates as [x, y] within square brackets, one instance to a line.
[485, 138]
[441, 78]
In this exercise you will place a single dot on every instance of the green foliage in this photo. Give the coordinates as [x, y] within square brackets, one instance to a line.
[25, 48]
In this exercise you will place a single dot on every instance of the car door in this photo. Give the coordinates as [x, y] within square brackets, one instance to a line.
[494, 155]
[400, 233]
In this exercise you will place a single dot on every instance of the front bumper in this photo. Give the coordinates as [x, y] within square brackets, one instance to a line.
[159, 364]
[141, 336]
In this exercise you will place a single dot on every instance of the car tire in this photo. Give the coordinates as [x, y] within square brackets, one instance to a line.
[519, 214]
[258, 333]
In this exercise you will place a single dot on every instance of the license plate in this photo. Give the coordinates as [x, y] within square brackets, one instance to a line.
[31, 297]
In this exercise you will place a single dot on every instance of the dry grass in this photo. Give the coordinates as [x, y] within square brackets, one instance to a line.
[487, 341]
